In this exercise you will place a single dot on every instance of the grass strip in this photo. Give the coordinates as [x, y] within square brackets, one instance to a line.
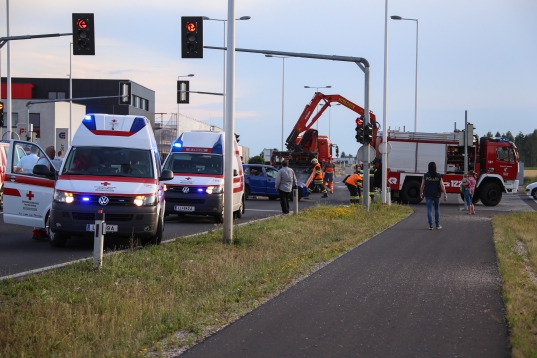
[515, 239]
[194, 285]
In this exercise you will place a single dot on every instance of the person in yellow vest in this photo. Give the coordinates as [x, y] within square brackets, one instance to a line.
[329, 173]
[317, 179]
[353, 183]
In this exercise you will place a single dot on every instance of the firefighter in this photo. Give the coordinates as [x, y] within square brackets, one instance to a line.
[329, 173]
[317, 181]
[353, 183]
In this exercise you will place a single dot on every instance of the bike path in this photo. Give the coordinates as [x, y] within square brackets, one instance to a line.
[408, 292]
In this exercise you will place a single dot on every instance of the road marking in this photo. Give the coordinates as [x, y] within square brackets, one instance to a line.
[260, 210]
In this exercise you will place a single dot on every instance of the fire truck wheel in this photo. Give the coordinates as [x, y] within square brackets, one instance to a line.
[411, 192]
[490, 194]
[475, 198]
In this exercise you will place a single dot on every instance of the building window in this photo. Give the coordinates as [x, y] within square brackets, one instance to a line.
[35, 119]
[137, 102]
[14, 120]
[56, 95]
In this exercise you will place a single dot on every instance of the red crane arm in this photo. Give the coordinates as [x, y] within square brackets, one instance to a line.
[305, 121]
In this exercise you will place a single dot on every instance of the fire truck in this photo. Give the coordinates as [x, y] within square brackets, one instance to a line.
[494, 160]
[304, 143]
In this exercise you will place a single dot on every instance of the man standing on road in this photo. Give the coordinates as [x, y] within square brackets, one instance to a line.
[329, 173]
[432, 188]
[317, 179]
[285, 181]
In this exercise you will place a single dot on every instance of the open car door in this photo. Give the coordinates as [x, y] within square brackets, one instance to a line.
[27, 196]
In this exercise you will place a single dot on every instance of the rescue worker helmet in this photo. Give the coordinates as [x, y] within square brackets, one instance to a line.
[314, 161]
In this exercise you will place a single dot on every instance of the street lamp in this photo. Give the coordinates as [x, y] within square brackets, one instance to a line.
[283, 86]
[330, 117]
[224, 52]
[395, 17]
[177, 129]
[317, 90]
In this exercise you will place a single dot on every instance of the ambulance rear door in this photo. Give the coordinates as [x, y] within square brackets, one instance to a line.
[27, 196]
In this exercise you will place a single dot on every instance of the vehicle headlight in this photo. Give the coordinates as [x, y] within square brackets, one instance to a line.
[63, 197]
[214, 189]
[146, 200]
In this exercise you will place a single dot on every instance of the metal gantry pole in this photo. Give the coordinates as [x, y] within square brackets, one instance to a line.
[229, 126]
[8, 84]
[283, 94]
[416, 85]
[224, 84]
[367, 147]
[384, 146]
[70, 136]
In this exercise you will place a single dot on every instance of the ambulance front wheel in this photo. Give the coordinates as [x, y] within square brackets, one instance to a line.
[157, 238]
[219, 218]
[56, 239]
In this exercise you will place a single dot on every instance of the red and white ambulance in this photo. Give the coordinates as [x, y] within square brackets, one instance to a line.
[112, 164]
[197, 161]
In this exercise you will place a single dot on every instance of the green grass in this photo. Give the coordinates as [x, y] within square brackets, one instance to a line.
[529, 180]
[192, 286]
[516, 248]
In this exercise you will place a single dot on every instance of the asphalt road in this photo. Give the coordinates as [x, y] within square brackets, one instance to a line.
[19, 253]
[408, 292]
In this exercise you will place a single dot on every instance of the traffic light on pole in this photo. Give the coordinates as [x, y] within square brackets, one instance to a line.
[183, 96]
[359, 130]
[368, 133]
[83, 34]
[1, 114]
[191, 37]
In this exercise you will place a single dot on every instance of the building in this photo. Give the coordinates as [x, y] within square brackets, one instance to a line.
[47, 117]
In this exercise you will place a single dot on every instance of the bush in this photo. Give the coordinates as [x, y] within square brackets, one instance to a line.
[256, 160]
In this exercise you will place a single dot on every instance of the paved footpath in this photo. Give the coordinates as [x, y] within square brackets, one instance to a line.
[408, 292]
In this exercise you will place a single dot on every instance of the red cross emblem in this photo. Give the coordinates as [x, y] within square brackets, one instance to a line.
[30, 195]
[106, 183]
[188, 178]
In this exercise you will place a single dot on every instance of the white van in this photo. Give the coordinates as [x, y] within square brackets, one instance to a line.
[197, 161]
[112, 164]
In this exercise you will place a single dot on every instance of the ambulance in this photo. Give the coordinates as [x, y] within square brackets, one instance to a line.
[197, 161]
[112, 165]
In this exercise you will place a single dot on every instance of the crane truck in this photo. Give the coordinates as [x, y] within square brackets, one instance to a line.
[304, 143]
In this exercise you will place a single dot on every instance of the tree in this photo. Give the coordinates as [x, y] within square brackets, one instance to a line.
[489, 134]
[258, 159]
[509, 136]
[342, 154]
[498, 135]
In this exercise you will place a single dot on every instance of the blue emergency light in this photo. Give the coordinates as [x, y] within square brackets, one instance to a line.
[89, 122]
[139, 123]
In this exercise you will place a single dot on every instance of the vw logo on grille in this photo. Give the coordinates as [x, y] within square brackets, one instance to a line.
[103, 200]
[186, 189]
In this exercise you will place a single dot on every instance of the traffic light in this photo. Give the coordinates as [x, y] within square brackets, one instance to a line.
[125, 93]
[368, 133]
[1, 114]
[191, 37]
[183, 96]
[83, 34]
[359, 130]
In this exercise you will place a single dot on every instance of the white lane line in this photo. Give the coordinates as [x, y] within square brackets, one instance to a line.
[261, 210]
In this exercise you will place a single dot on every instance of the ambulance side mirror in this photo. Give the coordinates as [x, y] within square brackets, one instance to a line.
[43, 170]
[166, 175]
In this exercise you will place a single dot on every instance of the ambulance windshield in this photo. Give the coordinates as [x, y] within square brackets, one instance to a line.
[109, 161]
[195, 163]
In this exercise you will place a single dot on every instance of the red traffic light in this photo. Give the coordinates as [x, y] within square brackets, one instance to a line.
[191, 27]
[359, 121]
[1, 106]
[82, 24]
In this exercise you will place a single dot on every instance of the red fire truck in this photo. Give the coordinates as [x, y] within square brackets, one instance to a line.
[494, 160]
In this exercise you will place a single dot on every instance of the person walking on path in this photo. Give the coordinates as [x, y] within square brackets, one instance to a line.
[329, 173]
[317, 179]
[469, 188]
[432, 188]
[353, 184]
[285, 181]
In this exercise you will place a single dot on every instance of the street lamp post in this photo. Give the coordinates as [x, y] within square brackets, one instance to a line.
[283, 87]
[224, 53]
[395, 17]
[317, 90]
[329, 117]
[177, 124]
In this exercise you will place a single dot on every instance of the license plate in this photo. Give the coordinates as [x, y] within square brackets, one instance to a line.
[183, 208]
[109, 228]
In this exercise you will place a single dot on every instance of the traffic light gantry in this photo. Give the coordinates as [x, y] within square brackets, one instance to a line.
[83, 34]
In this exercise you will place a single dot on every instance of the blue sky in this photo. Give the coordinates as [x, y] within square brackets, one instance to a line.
[474, 55]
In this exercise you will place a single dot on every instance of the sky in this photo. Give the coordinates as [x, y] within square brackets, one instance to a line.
[478, 56]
